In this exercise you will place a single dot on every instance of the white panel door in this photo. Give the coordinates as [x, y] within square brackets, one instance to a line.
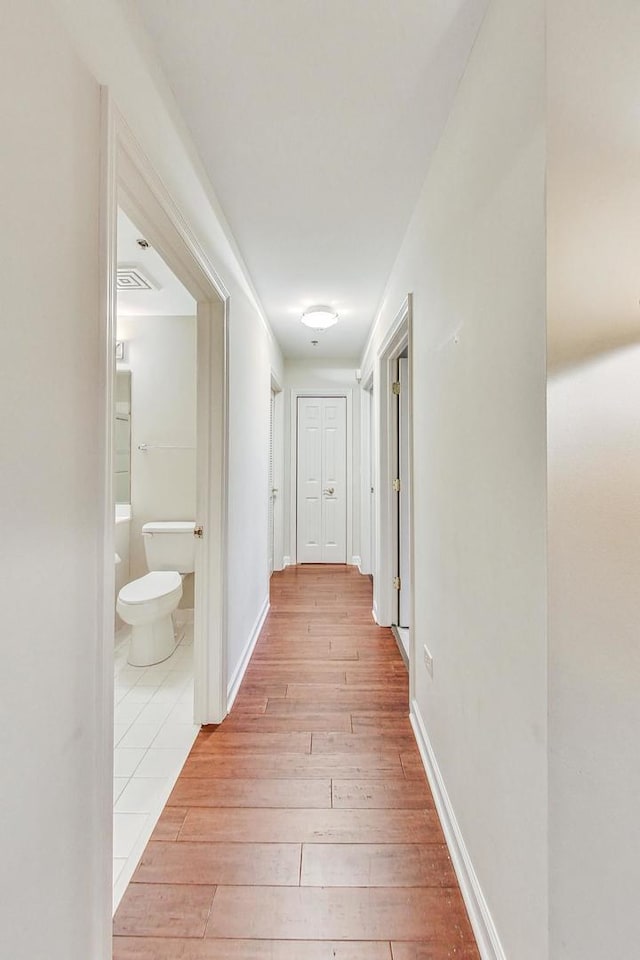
[322, 475]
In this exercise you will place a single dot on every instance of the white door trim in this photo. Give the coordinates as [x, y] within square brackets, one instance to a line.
[347, 393]
[404, 513]
[399, 336]
[129, 180]
[140, 192]
[366, 481]
[278, 471]
[368, 478]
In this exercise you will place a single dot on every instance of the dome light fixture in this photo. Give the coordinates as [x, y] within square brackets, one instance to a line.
[319, 317]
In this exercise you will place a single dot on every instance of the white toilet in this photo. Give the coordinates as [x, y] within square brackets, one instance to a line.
[147, 604]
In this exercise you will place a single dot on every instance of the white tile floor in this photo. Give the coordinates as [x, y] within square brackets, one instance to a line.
[154, 732]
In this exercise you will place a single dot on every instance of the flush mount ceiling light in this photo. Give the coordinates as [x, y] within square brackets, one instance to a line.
[319, 317]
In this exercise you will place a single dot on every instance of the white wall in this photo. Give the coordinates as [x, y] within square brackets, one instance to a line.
[161, 353]
[250, 364]
[53, 889]
[474, 258]
[323, 376]
[51, 486]
[110, 41]
[594, 478]
[594, 655]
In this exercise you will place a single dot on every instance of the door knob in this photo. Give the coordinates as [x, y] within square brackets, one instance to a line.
[330, 491]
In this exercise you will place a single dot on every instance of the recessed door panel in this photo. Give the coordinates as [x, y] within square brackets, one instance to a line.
[331, 534]
[313, 523]
[330, 465]
[312, 452]
[321, 480]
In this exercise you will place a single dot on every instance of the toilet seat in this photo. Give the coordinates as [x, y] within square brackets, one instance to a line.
[152, 586]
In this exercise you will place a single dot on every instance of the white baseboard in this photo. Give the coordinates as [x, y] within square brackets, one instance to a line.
[286, 562]
[183, 615]
[356, 562]
[481, 920]
[239, 672]
[374, 614]
[122, 637]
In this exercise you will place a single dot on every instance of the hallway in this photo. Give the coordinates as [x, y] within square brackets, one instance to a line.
[306, 815]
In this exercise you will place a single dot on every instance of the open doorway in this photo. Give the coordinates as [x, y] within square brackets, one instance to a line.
[274, 493]
[272, 490]
[401, 487]
[392, 522]
[155, 422]
[131, 190]
[368, 481]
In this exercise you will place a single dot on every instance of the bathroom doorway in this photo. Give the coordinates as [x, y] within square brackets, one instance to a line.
[132, 188]
[155, 421]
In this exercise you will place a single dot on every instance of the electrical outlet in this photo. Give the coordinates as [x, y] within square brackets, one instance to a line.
[428, 660]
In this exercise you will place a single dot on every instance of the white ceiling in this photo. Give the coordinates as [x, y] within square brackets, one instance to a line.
[315, 120]
[169, 299]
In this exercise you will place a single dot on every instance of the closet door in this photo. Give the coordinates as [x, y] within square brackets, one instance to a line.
[321, 480]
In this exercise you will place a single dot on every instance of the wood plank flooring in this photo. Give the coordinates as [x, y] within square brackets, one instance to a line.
[302, 828]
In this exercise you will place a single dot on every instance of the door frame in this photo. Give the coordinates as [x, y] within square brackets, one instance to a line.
[399, 336]
[128, 180]
[347, 393]
[275, 388]
[367, 479]
[405, 481]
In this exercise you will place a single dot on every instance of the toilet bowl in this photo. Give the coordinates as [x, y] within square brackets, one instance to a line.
[147, 604]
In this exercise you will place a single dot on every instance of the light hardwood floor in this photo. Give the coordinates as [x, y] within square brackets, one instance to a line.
[303, 828]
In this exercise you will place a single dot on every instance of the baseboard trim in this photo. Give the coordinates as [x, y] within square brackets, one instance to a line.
[239, 672]
[482, 922]
[286, 562]
[184, 615]
[403, 653]
[356, 562]
[374, 614]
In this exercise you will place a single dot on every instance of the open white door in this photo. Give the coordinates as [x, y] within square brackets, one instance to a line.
[321, 480]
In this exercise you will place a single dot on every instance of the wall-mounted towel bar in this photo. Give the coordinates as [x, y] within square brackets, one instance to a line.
[164, 446]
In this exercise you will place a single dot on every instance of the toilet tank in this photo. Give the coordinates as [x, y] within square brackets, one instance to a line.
[170, 545]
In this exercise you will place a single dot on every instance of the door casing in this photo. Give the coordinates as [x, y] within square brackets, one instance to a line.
[328, 500]
[347, 393]
[379, 372]
[128, 180]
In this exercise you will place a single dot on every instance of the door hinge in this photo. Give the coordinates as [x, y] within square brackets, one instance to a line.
[396, 486]
[395, 388]
[396, 583]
